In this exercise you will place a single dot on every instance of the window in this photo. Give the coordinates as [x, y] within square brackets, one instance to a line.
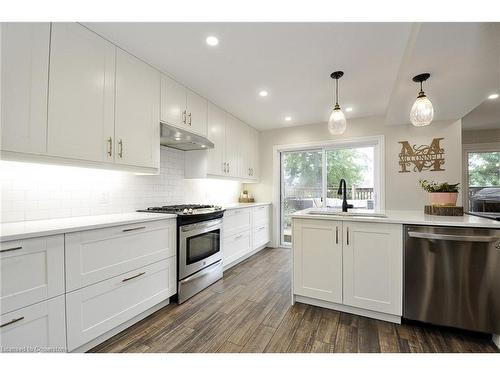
[482, 183]
[310, 178]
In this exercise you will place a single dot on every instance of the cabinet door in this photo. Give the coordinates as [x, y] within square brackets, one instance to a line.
[31, 270]
[98, 308]
[233, 144]
[81, 94]
[317, 259]
[40, 326]
[137, 123]
[173, 102]
[373, 266]
[244, 150]
[196, 113]
[25, 77]
[216, 134]
[254, 158]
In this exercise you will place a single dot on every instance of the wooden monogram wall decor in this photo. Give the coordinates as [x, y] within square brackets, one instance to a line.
[422, 157]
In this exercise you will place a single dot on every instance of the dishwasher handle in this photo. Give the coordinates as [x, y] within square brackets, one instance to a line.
[452, 237]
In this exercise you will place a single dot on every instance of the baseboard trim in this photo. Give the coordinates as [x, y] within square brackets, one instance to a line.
[239, 260]
[348, 309]
[496, 340]
[121, 327]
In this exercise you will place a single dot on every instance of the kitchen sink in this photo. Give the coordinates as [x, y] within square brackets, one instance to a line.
[349, 214]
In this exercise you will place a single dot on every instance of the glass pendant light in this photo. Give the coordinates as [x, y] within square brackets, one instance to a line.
[422, 112]
[337, 122]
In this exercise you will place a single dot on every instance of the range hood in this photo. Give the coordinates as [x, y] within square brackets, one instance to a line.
[182, 139]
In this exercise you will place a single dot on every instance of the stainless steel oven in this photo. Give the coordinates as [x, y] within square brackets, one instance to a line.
[199, 246]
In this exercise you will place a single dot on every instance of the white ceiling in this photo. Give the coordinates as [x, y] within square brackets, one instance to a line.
[485, 116]
[293, 62]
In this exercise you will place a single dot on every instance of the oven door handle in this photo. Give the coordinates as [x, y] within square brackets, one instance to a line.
[203, 272]
[451, 237]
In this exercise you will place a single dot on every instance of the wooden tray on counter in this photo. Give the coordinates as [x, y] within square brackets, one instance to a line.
[444, 210]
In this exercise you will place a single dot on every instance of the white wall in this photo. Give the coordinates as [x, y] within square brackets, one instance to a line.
[39, 191]
[402, 190]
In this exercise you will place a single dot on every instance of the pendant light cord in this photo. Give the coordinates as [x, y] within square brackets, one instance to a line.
[336, 91]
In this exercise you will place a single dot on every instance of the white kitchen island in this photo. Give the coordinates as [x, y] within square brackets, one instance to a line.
[353, 262]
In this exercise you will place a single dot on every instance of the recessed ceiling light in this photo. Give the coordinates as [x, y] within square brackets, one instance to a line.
[212, 40]
[348, 109]
[288, 118]
[263, 93]
[493, 96]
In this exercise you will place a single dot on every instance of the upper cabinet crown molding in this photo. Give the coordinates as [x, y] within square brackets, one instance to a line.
[25, 74]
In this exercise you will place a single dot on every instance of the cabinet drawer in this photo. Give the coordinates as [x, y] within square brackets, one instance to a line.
[236, 246]
[237, 221]
[96, 255]
[39, 327]
[96, 309]
[260, 235]
[260, 215]
[31, 271]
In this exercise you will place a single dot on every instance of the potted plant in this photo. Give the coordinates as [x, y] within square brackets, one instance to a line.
[441, 194]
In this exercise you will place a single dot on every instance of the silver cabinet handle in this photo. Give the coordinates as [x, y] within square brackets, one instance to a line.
[452, 237]
[110, 146]
[337, 235]
[227, 167]
[120, 148]
[133, 277]
[131, 229]
[238, 236]
[12, 322]
[190, 118]
[261, 228]
[347, 232]
[11, 249]
[184, 116]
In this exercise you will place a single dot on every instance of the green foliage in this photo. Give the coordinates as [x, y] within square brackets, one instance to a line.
[484, 169]
[341, 165]
[435, 187]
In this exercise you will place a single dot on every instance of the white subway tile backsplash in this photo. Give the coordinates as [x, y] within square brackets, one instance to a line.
[38, 191]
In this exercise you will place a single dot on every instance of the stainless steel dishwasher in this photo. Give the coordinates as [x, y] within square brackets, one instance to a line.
[452, 277]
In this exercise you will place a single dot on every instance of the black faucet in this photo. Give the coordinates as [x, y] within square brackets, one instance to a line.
[345, 205]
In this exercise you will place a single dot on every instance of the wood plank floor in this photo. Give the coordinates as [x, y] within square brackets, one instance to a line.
[249, 311]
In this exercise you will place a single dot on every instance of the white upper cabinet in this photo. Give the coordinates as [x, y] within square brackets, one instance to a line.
[196, 107]
[254, 152]
[81, 94]
[373, 265]
[233, 146]
[25, 74]
[217, 135]
[173, 102]
[137, 112]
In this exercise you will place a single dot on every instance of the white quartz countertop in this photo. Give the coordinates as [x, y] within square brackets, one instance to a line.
[36, 228]
[399, 217]
[233, 206]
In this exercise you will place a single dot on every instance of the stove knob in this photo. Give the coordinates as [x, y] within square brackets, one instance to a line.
[185, 211]
[190, 211]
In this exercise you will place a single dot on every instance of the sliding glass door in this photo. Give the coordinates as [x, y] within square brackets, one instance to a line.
[310, 178]
[301, 185]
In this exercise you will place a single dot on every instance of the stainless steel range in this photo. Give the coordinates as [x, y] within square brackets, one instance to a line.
[199, 246]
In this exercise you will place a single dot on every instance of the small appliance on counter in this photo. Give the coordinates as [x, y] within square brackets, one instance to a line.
[199, 246]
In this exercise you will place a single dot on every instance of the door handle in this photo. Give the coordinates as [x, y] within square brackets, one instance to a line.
[347, 232]
[12, 322]
[11, 249]
[184, 116]
[120, 148]
[190, 118]
[452, 237]
[337, 235]
[133, 277]
[110, 146]
[131, 229]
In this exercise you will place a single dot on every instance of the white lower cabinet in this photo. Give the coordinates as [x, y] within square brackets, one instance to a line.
[317, 259]
[373, 266]
[36, 328]
[31, 270]
[96, 309]
[99, 254]
[353, 264]
[245, 231]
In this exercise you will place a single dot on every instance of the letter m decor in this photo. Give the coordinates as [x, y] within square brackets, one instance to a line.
[422, 157]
